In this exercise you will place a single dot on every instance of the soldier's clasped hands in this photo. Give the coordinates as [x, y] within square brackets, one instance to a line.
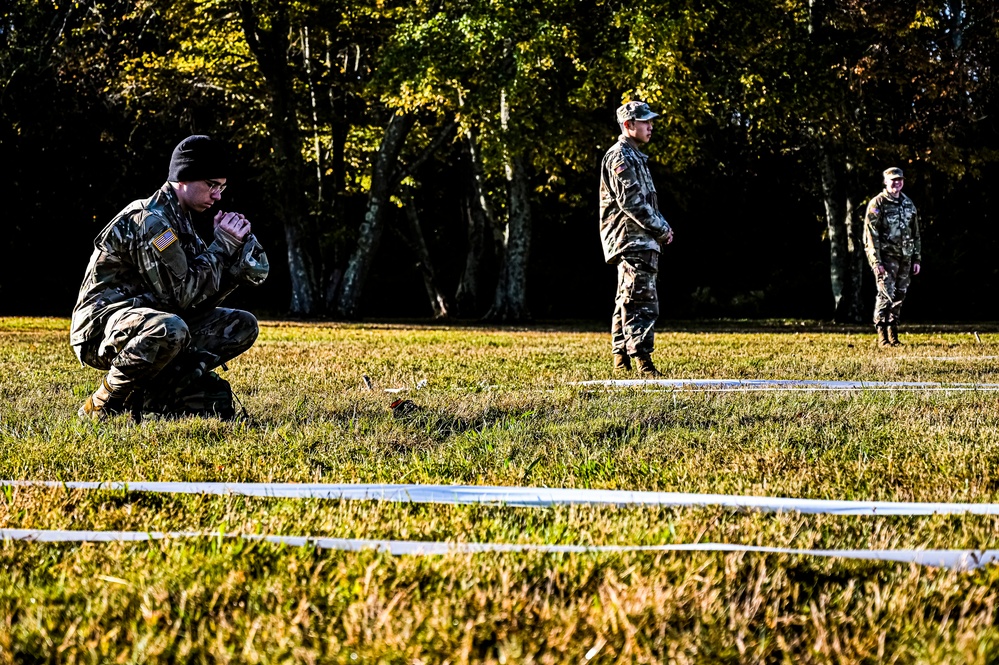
[233, 223]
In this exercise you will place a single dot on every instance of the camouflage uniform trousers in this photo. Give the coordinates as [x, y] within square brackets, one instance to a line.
[141, 344]
[636, 306]
[892, 287]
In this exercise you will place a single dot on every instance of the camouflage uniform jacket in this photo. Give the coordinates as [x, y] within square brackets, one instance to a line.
[891, 228]
[629, 211]
[149, 255]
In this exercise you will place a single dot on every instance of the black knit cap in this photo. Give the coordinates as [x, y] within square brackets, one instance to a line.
[198, 157]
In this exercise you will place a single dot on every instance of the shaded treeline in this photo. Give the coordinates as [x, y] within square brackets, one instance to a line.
[441, 158]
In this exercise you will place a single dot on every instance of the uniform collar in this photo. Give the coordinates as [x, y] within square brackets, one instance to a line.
[174, 202]
[166, 198]
[631, 143]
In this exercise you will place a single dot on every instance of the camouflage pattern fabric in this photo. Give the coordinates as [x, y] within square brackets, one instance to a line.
[891, 228]
[149, 301]
[892, 240]
[630, 220]
[892, 287]
[141, 259]
[636, 306]
[146, 348]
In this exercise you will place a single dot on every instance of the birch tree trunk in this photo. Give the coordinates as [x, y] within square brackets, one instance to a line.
[270, 48]
[317, 145]
[482, 223]
[382, 177]
[466, 297]
[339, 128]
[843, 226]
[510, 298]
[846, 248]
[479, 189]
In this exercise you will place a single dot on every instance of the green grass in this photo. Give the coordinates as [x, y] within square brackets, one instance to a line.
[496, 409]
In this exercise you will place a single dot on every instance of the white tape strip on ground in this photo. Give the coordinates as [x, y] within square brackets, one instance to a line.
[746, 385]
[948, 358]
[527, 496]
[954, 559]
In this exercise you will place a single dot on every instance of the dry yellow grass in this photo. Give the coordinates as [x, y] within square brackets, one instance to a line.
[496, 410]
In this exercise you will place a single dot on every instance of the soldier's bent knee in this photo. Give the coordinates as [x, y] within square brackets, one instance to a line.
[245, 327]
[170, 330]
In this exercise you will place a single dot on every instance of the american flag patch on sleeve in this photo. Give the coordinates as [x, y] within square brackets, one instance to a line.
[164, 240]
[620, 167]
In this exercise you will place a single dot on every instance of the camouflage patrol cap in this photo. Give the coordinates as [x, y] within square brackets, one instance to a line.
[893, 173]
[635, 111]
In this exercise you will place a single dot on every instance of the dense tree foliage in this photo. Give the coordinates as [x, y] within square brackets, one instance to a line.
[440, 158]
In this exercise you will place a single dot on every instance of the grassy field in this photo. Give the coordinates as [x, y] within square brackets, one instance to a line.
[496, 409]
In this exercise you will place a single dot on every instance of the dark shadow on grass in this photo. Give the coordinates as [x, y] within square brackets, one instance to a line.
[721, 325]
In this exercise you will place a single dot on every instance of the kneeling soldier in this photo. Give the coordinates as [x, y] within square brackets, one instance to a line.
[148, 314]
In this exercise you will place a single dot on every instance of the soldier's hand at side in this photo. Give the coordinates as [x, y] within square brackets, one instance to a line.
[233, 223]
[915, 268]
[668, 238]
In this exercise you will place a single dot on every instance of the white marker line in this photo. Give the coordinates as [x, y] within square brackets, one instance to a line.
[787, 389]
[732, 385]
[973, 358]
[526, 496]
[953, 559]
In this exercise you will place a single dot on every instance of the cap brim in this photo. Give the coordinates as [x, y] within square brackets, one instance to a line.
[647, 116]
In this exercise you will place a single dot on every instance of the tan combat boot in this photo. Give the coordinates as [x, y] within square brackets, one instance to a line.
[893, 334]
[646, 367]
[105, 403]
[622, 363]
[883, 340]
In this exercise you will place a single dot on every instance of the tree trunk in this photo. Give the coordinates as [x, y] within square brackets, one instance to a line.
[510, 299]
[466, 296]
[270, 48]
[481, 220]
[339, 128]
[382, 176]
[958, 17]
[845, 231]
[479, 187]
[317, 144]
[438, 303]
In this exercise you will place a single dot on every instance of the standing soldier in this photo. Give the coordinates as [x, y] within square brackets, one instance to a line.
[632, 231]
[147, 311]
[891, 238]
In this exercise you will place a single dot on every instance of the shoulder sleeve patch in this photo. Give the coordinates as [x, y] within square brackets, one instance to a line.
[620, 167]
[164, 240]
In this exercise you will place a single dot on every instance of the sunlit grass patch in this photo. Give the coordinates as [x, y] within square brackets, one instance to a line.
[495, 406]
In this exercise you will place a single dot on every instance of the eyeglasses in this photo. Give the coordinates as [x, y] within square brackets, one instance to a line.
[215, 187]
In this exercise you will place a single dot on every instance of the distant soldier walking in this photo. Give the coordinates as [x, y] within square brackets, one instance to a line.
[633, 232]
[147, 311]
[893, 245]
